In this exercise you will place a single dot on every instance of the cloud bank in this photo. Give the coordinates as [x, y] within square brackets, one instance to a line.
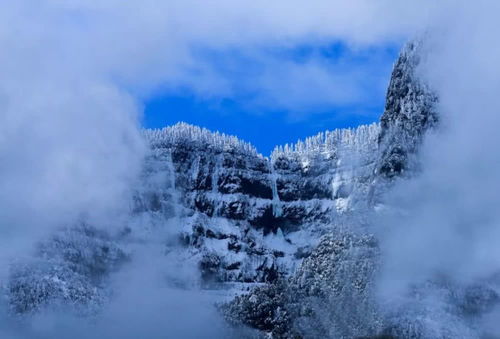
[453, 222]
[450, 225]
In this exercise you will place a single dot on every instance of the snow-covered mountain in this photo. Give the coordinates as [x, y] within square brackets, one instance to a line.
[248, 218]
[284, 242]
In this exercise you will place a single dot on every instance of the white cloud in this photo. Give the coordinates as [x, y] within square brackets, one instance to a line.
[452, 203]
[452, 223]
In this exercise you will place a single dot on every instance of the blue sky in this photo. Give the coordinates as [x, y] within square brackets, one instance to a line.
[275, 96]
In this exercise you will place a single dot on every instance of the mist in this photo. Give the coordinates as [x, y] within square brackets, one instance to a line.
[75, 74]
[452, 222]
[141, 305]
[446, 227]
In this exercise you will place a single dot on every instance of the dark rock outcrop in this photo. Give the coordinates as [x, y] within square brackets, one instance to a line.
[410, 110]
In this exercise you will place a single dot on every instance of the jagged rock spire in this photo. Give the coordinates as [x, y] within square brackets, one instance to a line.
[410, 110]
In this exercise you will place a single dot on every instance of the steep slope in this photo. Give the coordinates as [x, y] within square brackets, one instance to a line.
[410, 110]
[247, 218]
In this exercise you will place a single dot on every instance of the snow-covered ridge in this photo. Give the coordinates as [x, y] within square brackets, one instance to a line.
[182, 132]
[330, 141]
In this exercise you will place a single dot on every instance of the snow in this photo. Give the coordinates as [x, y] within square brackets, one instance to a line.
[336, 183]
[328, 143]
[195, 168]
[182, 132]
[277, 209]
[342, 204]
[278, 242]
[171, 184]
[215, 174]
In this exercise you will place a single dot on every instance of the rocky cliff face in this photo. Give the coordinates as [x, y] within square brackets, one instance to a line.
[247, 218]
[238, 217]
